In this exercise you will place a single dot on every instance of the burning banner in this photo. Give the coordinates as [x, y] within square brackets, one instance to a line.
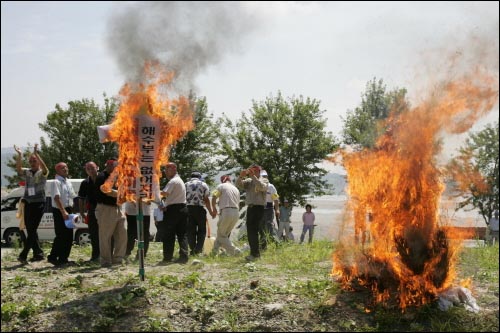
[410, 258]
[145, 127]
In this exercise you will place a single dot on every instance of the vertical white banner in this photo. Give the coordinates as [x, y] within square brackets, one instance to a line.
[148, 135]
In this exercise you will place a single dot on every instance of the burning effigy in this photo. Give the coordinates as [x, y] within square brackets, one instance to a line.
[145, 127]
[394, 192]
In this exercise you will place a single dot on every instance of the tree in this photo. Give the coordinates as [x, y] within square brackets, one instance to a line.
[198, 150]
[287, 138]
[475, 170]
[365, 124]
[73, 138]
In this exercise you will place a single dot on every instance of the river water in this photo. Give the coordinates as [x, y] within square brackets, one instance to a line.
[330, 212]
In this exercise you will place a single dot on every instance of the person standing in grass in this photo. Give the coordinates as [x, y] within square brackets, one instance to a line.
[284, 224]
[308, 219]
[493, 225]
[111, 220]
[62, 205]
[175, 216]
[255, 187]
[197, 193]
[88, 199]
[229, 202]
[34, 201]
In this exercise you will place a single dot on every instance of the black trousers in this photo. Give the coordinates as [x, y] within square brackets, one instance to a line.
[132, 233]
[175, 220]
[33, 213]
[63, 242]
[254, 218]
[197, 228]
[94, 234]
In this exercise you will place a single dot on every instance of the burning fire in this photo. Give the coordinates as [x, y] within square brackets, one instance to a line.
[394, 192]
[170, 120]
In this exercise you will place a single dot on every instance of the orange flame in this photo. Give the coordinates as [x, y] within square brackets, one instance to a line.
[394, 193]
[174, 115]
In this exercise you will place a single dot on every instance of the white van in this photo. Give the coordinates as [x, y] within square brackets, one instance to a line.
[10, 224]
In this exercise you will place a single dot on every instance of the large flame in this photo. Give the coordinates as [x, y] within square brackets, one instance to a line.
[175, 117]
[394, 193]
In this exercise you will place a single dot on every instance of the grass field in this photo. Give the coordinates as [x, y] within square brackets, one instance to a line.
[288, 289]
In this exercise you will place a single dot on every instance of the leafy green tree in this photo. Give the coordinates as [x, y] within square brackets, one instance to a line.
[475, 170]
[14, 180]
[287, 138]
[364, 124]
[73, 138]
[198, 150]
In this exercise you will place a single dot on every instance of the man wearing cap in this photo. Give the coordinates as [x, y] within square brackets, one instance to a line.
[267, 230]
[111, 220]
[62, 205]
[175, 217]
[229, 202]
[34, 201]
[197, 193]
[255, 187]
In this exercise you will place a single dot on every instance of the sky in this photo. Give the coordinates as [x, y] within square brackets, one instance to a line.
[56, 52]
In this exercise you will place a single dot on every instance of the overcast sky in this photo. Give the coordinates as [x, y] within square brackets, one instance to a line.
[55, 52]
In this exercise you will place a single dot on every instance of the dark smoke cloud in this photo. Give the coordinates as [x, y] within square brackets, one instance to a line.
[186, 37]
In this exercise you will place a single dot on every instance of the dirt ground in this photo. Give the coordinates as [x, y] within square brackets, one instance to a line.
[203, 297]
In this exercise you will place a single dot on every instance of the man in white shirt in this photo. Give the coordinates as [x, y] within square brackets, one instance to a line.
[62, 205]
[175, 216]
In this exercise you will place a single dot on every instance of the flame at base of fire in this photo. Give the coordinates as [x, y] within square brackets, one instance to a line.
[405, 277]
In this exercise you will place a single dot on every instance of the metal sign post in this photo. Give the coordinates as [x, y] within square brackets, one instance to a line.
[140, 238]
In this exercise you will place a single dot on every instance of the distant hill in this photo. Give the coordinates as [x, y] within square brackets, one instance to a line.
[7, 154]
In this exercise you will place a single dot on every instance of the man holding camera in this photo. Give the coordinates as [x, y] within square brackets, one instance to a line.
[256, 190]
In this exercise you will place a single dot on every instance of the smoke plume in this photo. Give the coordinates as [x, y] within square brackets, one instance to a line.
[184, 36]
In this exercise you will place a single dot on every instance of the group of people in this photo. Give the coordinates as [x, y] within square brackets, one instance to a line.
[181, 214]
[33, 203]
[105, 219]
